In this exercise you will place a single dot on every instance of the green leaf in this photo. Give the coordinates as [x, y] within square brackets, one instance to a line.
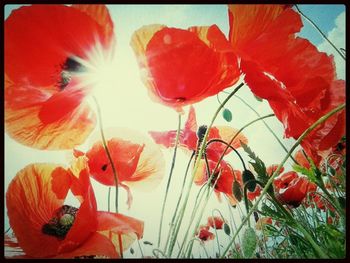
[132, 250]
[258, 164]
[227, 115]
[308, 172]
[249, 242]
[227, 229]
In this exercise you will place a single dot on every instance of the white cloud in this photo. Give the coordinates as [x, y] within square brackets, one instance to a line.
[337, 37]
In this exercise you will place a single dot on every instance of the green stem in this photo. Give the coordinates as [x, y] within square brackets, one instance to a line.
[269, 182]
[138, 242]
[321, 33]
[109, 199]
[230, 146]
[222, 155]
[178, 202]
[108, 153]
[267, 126]
[169, 179]
[201, 150]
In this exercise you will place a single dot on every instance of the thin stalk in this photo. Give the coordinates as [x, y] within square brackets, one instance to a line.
[227, 146]
[201, 150]
[109, 199]
[267, 126]
[169, 179]
[269, 182]
[138, 242]
[108, 153]
[321, 33]
[178, 202]
[230, 146]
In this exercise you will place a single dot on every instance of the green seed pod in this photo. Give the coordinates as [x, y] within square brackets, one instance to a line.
[227, 115]
[227, 229]
[249, 242]
[248, 175]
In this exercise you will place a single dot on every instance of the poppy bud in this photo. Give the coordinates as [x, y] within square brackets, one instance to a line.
[201, 132]
[248, 175]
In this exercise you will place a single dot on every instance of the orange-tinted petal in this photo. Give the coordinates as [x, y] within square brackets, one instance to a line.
[136, 158]
[96, 245]
[101, 15]
[248, 22]
[25, 126]
[31, 203]
[118, 228]
[40, 112]
[225, 133]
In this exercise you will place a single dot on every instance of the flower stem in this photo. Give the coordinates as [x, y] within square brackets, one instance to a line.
[169, 179]
[200, 153]
[108, 153]
[178, 202]
[221, 157]
[319, 251]
[321, 33]
[230, 146]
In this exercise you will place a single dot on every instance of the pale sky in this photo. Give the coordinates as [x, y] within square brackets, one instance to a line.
[124, 103]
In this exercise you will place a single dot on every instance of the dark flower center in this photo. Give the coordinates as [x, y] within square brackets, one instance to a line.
[61, 222]
[68, 67]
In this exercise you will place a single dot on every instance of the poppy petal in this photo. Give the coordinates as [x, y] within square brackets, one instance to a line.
[85, 223]
[97, 245]
[120, 227]
[31, 204]
[39, 111]
[248, 22]
[167, 139]
[206, 70]
[26, 127]
[136, 157]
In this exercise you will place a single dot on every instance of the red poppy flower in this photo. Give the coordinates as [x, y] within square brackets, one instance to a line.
[136, 158]
[290, 188]
[46, 227]
[189, 137]
[181, 67]
[49, 52]
[224, 183]
[204, 234]
[289, 72]
[216, 222]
